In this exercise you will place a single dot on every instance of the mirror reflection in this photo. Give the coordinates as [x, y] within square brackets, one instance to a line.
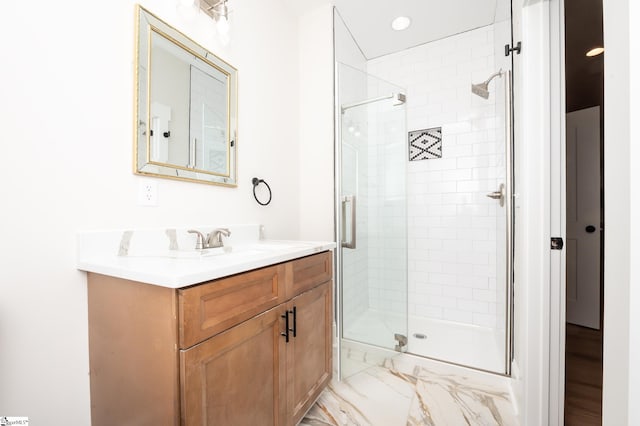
[186, 114]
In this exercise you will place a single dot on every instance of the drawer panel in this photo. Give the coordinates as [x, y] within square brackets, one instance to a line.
[208, 309]
[308, 272]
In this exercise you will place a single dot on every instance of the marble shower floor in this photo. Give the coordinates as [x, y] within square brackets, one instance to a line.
[407, 390]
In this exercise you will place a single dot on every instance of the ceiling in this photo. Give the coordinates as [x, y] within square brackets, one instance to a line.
[370, 21]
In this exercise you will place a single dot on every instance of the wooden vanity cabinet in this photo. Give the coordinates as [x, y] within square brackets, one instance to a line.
[215, 353]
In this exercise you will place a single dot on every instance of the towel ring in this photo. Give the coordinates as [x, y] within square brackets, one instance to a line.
[257, 182]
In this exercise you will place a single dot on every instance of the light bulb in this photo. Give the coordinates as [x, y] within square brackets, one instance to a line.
[223, 25]
[401, 23]
[595, 52]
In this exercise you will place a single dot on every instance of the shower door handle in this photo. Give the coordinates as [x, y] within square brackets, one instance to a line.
[349, 199]
[193, 143]
[498, 195]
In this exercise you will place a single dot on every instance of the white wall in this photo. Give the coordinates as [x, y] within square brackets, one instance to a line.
[620, 268]
[316, 123]
[66, 119]
[634, 212]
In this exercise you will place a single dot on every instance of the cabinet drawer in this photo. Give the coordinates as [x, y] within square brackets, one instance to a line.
[208, 309]
[308, 272]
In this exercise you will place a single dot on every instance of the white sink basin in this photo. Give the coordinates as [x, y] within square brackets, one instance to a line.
[258, 248]
[196, 254]
[227, 251]
[272, 246]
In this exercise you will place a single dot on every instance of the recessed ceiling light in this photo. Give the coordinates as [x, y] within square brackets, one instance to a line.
[595, 51]
[400, 23]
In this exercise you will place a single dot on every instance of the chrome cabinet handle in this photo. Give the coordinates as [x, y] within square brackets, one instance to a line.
[498, 195]
[352, 242]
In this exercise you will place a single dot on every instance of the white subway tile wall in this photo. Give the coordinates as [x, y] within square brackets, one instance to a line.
[454, 230]
[374, 170]
[387, 209]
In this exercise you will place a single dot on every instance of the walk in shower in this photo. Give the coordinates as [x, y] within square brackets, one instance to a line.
[424, 195]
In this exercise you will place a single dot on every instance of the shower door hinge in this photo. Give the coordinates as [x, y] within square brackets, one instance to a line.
[556, 243]
[402, 341]
[508, 49]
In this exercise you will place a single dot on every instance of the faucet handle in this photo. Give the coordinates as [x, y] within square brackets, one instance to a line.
[223, 231]
[199, 240]
[214, 238]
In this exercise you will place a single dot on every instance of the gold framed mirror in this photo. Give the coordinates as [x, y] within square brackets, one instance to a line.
[185, 107]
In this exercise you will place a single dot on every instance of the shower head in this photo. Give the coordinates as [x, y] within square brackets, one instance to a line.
[482, 89]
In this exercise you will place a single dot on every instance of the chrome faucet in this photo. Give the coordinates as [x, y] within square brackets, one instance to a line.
[214, 238]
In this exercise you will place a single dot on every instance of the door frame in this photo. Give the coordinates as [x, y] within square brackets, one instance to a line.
[558, 188]
[538, 384]
[540, 271]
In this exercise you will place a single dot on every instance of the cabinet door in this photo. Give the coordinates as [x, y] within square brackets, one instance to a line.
[236, 377]
[309, 353]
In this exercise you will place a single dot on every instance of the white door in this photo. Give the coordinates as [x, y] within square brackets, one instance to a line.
[583, 217]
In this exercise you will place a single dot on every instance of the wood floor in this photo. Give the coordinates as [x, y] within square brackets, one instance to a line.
[583, 380]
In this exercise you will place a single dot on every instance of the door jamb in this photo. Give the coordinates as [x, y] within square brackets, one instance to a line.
[557, 273]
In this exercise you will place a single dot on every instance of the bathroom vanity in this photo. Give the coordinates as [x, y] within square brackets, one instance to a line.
[247, 348]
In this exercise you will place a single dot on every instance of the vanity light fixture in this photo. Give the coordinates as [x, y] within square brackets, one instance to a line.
[219, 11]
[595, 51]
[401, 23]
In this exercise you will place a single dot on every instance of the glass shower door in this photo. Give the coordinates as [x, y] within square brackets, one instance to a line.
[372, 211]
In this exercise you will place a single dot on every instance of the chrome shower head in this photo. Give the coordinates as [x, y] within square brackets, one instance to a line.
[482, 89]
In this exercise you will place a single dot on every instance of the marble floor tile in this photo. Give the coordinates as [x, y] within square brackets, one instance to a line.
[410, 391]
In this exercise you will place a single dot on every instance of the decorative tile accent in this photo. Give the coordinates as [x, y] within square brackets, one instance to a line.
[425, 144]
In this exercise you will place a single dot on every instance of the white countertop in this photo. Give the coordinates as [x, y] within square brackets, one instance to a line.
[161, 269]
